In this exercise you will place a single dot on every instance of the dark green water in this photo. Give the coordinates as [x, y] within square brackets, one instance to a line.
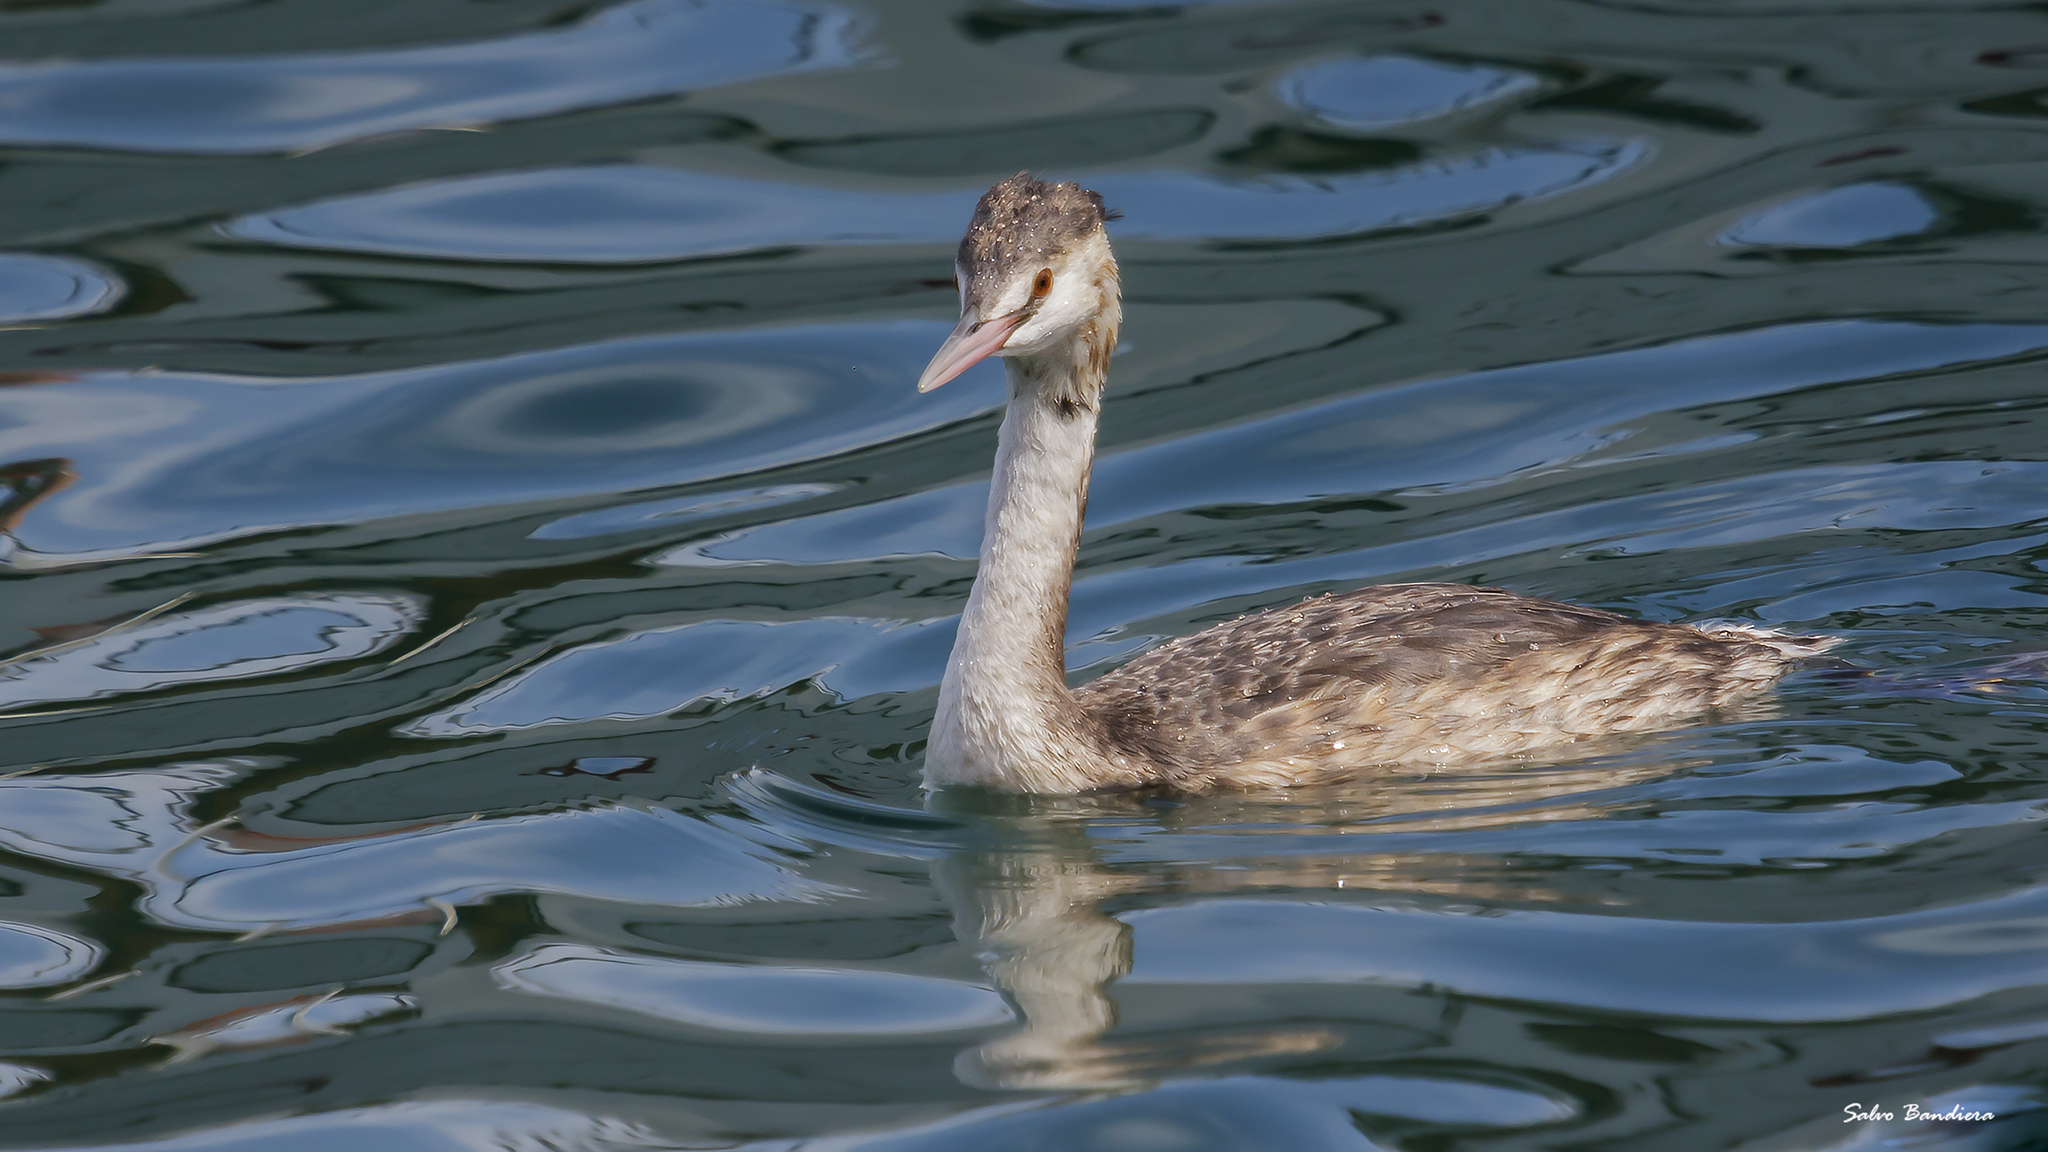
[476, 572]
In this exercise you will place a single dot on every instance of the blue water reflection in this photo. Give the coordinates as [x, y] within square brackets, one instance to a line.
[680, 509]
[1372, 93]
[475, 574]
[1243, 1113]
[944, 522]
[1488, 427]
[285, 103]
[412, 1126]
[606, 215]
[32, 957]
[1852, 969]
[658, 672]
[292, 1022]
[53, 288]
[626, 214]
[748, 998]
[137, 825]
[184, 457]
[1839, 218]
[222, 642]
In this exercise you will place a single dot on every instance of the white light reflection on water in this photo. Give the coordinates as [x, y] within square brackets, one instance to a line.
[18, 1078]
[291, 1022]
[766, 999]
[220, 642]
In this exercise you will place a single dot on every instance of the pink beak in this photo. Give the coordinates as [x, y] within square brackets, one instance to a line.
[972, 341]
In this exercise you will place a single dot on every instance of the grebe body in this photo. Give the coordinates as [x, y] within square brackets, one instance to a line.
[1409, 673]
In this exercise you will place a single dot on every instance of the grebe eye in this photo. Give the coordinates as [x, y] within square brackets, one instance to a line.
[1041, 284]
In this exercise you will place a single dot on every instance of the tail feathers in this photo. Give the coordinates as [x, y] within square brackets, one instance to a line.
[2018, 674]
[1787, 645]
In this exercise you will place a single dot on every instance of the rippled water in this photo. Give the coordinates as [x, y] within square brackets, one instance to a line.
[477, 572]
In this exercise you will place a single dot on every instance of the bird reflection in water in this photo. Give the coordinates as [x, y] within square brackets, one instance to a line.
[1039, 907]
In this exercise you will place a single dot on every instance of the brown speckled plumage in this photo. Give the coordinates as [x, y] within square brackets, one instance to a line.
[1412, 673]
[1020, 226]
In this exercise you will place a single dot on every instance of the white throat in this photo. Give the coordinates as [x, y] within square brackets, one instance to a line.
[1006, 719]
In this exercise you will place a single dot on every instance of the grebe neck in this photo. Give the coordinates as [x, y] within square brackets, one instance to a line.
[1006, 719]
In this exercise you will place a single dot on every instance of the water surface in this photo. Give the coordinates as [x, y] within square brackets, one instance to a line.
[478, 571]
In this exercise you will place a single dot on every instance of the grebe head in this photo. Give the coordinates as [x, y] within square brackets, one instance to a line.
[1036, 279]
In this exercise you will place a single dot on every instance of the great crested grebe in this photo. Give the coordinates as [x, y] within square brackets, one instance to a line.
[1401, 673]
